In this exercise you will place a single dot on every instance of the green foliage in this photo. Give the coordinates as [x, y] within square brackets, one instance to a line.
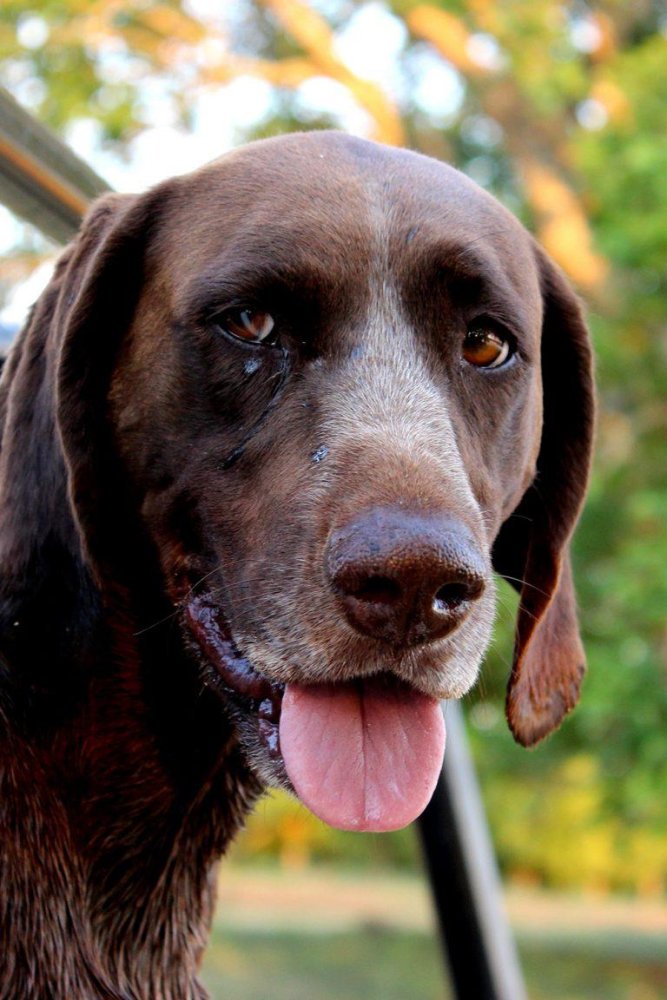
[622, 543]
[282, 830]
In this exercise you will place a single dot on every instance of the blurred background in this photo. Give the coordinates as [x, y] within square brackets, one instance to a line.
[559, 109]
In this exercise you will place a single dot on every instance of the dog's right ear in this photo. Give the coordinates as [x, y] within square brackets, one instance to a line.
[53, 392]
[95, 309]
[44, 569]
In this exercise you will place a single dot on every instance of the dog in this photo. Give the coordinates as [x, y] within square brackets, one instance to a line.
[265, 437]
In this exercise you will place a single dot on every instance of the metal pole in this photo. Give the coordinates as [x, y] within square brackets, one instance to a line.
[43, 181]
[475, 932]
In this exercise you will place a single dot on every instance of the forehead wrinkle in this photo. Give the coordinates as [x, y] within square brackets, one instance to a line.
[509, 272]
[254, 267]
[461, 257]
[459, 267]
[492, 289]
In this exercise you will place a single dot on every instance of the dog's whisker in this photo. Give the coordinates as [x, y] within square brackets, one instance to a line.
[524, 583]
[154, 625]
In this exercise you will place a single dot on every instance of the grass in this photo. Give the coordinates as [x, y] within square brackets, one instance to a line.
[594, 967]
[370, 964]
[327, 934]
[379, 963]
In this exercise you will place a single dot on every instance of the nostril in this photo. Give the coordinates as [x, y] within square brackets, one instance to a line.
[404, 577]
[377, 590]
[450, 596]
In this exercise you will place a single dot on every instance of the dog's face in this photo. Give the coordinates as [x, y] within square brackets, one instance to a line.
[329, 401]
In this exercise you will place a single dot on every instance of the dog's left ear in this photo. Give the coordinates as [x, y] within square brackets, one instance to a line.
[532, 547]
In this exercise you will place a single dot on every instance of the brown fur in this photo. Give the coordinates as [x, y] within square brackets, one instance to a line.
[146, 458]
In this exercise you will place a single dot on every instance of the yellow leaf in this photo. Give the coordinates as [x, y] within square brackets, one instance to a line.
[562, 224]
[448, 34]
[172, 24]
[282, 73]
[313, 33]
[305, 26]
[606, 46]
[613, 99]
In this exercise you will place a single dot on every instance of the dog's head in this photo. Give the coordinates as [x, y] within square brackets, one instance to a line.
[343, 385]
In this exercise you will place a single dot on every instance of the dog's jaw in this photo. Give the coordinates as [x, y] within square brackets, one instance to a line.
[362, 751]
[254, 702]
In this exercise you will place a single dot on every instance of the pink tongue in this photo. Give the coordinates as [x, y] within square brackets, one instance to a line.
[362, 755]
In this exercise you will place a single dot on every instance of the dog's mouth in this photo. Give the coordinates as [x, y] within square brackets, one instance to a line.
[362, 754]
[248, 690]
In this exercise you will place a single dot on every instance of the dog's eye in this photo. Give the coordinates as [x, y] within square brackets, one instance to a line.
[247, 324]
[485, 348]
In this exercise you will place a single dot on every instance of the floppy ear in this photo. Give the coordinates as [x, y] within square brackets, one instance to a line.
[532, 547]
[50, 416]
[107, 274]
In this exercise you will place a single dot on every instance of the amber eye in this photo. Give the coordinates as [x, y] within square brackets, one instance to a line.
[247, 324]
[485, 348]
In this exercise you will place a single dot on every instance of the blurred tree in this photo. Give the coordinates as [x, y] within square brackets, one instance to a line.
[559, 108]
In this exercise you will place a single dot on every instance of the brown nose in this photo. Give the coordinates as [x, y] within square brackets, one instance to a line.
[403, 577]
